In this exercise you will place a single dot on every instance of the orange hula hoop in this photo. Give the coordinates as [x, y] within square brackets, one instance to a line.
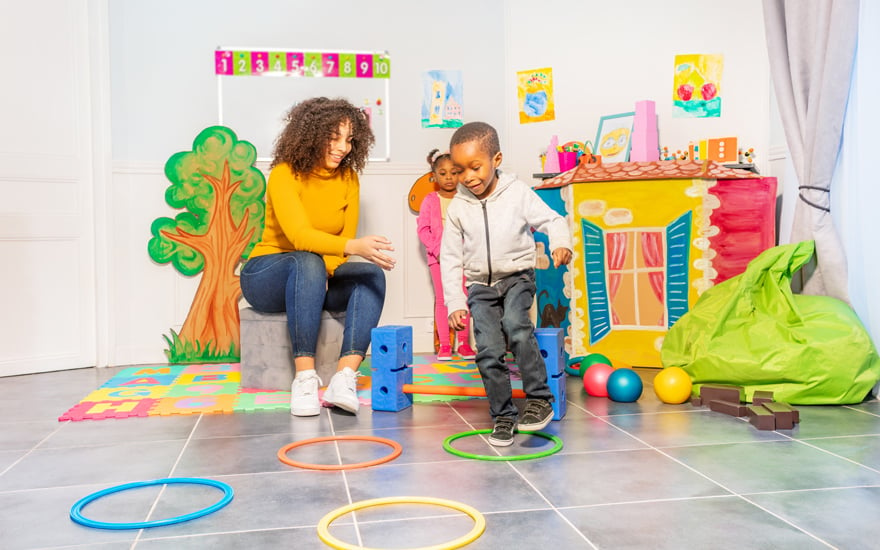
[395, 446]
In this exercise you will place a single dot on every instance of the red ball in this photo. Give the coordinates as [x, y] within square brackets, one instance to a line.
[596, 379]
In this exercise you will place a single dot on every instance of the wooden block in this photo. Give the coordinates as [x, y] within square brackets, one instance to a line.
[726, 407]
[696, 401]
[761, 418]
[784, 414]
[721, 392]
[762, 396]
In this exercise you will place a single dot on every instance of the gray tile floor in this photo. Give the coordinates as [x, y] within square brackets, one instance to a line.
[630, 475]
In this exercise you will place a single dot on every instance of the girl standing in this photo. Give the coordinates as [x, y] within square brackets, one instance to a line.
[432, 215]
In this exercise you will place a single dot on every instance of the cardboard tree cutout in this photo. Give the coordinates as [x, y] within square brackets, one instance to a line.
[222, 192]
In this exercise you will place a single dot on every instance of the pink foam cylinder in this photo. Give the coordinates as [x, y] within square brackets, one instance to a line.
[645, 142]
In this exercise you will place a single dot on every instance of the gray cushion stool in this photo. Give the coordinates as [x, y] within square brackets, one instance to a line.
[266, 353]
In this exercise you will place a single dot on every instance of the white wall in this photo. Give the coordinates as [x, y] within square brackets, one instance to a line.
[608, 55]
[605, 56]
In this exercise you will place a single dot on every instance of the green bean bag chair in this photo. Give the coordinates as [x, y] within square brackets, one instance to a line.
[753, 331]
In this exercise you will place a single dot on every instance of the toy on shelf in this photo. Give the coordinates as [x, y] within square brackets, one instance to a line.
[746, 156]
[718, 149]
[562, 157]
[644, 133]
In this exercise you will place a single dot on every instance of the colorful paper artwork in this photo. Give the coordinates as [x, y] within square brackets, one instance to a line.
[534, 92]
[696, 88]
[614, 137]
[441, 99]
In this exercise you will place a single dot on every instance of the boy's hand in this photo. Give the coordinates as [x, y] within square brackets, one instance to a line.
[561, 256]
[456, 319]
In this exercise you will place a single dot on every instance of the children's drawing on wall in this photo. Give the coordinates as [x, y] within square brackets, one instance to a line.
[614, 137]
[696, 88]
[441, 99]
[221, 192]
[534, 92]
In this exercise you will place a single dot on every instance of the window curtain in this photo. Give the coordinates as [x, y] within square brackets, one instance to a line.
[812, 45]
[615, 243]
[652, 250]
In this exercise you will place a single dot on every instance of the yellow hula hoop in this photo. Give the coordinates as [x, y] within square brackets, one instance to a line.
[474, 534]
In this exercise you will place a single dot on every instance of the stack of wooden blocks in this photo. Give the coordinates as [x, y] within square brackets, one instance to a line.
[764, 413]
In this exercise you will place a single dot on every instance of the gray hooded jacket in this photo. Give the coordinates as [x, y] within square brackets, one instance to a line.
[487, 240]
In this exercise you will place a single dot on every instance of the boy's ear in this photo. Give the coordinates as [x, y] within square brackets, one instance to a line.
[496, 160]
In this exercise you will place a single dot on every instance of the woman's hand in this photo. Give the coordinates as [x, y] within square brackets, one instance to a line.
[370, 248]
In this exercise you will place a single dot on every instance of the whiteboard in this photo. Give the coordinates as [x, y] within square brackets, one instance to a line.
[257, 87]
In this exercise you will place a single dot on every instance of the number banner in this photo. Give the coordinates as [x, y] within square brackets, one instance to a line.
[236, 62]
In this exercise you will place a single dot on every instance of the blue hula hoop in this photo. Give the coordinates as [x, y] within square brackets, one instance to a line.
[76, 511]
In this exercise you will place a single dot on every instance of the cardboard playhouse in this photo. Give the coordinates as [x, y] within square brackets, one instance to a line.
[649, 238]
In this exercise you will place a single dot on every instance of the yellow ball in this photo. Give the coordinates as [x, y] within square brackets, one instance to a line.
[673, 385]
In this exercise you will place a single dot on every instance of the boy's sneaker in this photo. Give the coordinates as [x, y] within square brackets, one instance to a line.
[502, 433]
[466, 352]
[445, 353]
[342, 391]
[536, 415]
[304, 394]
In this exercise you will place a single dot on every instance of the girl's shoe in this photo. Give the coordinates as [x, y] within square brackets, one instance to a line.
[445, 353]
[466, 352]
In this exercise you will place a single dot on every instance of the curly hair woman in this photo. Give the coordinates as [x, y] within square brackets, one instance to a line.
[300, 265]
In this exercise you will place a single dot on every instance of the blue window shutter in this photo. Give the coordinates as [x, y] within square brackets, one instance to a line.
[678, 238]
[598, 307]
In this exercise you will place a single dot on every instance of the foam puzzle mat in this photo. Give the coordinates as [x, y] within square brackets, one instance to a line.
[214, 388]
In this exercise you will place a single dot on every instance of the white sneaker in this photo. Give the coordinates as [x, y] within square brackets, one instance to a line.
[342, 390]
[304, 394]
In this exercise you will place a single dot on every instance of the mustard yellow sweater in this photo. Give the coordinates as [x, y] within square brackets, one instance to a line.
[317, 213]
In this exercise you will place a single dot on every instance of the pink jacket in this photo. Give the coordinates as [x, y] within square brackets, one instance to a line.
[430, 226]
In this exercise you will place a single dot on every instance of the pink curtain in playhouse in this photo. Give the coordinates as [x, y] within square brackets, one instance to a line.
[615, 245]
[652, 250]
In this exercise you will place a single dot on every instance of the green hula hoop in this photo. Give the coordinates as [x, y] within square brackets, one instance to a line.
[447, 445]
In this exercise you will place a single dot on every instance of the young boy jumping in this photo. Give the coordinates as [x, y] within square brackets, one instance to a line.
[488, 238]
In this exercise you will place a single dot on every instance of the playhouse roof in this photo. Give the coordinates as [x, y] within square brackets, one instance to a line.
[651, 170]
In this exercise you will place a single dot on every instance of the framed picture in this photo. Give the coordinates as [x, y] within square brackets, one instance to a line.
[614, 138]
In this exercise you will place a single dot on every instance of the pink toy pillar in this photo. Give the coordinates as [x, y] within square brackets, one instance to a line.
[644, 138]
[551, 161]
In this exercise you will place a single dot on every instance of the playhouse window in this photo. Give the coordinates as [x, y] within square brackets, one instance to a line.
[635, 267]
[636, 278]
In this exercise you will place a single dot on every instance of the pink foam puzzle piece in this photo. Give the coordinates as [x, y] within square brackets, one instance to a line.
[97, 410]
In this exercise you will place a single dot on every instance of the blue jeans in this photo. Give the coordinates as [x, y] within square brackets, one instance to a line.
[297, 282]
[500, 315]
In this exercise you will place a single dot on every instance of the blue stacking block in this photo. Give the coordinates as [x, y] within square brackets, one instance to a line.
[552, 345]
[391, 367]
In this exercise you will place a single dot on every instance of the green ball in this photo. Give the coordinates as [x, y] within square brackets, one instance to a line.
[577, 365]
[594, 358]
